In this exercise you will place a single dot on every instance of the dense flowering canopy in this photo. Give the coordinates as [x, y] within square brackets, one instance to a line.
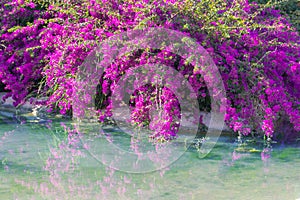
[256, 49]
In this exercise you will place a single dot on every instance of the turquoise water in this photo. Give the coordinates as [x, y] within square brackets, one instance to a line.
[39, 161]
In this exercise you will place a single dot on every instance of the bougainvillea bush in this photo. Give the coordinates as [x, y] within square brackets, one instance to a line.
[289, 8]
[255, 48]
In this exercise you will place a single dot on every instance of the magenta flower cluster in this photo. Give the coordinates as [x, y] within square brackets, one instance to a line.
[256, 49]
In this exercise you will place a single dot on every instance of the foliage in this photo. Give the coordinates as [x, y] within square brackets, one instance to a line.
[291, 8]
[255, 47]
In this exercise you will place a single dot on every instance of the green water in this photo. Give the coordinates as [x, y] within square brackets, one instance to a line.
[33, 165]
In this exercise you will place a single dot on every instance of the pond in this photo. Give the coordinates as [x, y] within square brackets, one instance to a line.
[39, 160]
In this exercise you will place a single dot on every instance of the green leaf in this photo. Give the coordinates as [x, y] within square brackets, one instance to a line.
[13, 29]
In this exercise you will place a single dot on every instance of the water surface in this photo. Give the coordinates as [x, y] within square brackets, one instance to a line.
[39, 161]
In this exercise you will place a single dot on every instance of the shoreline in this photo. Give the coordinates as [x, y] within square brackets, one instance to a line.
[30, 111]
